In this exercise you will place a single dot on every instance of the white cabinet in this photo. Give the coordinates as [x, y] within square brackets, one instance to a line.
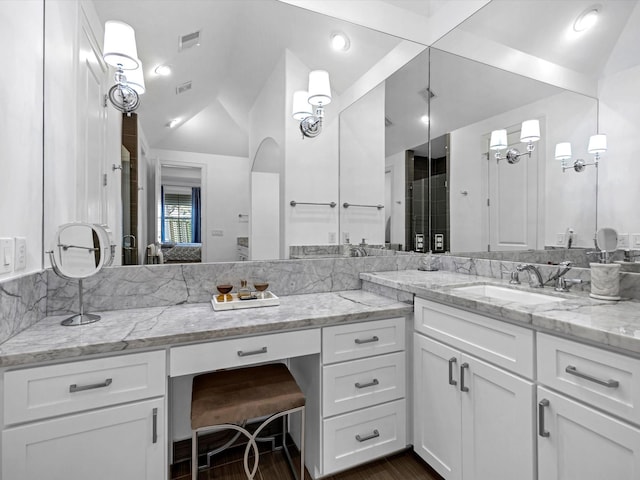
[576, 441]
[100, 419]
[356, 406]
[472, 419]
[581, 437]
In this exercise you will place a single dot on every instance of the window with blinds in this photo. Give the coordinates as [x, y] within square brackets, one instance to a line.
[178, 218]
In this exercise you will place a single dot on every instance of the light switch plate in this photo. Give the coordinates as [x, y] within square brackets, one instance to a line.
[635, 240]
[560, 239]
[623, 240]
[6, 255]
[217, 233]
[332, 237]
[20, 261]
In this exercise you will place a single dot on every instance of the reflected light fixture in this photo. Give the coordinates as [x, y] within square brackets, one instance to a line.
[586, 19]
[173, 123]
[425, 119]
[529, 134]
[163, 70]
[597, 145]
[340, 42]
[308, 106]
[120, 51]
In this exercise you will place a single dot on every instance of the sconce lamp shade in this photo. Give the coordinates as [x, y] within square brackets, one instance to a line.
[563, 151]
[135, 79]
[319, 88]
[597, 143]
[301, 109]
[498, 140]
[530, 131]
[119, 46]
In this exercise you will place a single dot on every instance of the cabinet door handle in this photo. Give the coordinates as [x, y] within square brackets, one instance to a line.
[367, 340]
[73, 388]
[242, 353]
[452, 361]
[463, 367]
[371, 436]
[370, 384]
[607, 383]
[155, 426]
[541, 431]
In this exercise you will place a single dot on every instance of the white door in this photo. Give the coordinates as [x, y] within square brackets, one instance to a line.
[583, 443]
[497, 423]
[436, 404]
[92, 127]
[124, 443]
[513, 199]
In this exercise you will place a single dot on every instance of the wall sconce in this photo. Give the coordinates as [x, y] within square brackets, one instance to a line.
[120, 52]
[597, 145]
[308, 106]
[529, 134]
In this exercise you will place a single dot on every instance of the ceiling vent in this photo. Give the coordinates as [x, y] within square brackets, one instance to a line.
[189, 40]
[185, 87]
[426, 94]
[387, 121]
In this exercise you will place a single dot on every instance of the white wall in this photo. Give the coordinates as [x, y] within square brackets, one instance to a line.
[225, 195]
[396, 164]
[362, 166]
[21, 127]
[311, 170]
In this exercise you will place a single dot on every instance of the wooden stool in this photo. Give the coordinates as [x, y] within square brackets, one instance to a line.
[220, 400]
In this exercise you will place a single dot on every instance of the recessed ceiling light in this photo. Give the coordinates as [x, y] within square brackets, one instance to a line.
[586, 19]
[163, 70]
[173, 122]
[340, 42]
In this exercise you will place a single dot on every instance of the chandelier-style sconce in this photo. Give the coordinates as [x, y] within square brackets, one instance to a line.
[120, 52]
[529, 134]
[308, 106]
[597, 145]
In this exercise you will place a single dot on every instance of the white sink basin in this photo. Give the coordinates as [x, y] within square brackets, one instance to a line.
[509, 294]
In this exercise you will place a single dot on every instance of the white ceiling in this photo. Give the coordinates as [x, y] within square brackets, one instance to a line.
[242, 40]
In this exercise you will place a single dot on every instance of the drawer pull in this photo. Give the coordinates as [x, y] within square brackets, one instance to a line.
[607, 383]
[541, 431]
[463, 367]
[155, 426]
[370, 384]
[452, 360]
[75, 388]
[367, 340]
[242, 353]
[375, 434]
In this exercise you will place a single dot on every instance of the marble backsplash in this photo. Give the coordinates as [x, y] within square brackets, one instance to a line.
[26, 300]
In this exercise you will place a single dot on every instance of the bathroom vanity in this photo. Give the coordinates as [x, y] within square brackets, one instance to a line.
[479, 384]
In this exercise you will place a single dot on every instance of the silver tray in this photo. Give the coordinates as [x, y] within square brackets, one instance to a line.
[269, 300]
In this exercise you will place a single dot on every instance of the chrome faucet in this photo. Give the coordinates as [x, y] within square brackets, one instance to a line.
[563, 284]
[531, 268]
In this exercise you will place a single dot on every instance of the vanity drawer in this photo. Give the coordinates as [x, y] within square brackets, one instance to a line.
[237, 352]
[607, 380]
[501, 343]
[363, 383]
[40, 392]
[364, 435]
[357, 340]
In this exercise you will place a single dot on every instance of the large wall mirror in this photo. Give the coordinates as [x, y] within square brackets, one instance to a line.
[406, 134]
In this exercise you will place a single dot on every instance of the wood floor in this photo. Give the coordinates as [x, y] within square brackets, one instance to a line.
[401, 466]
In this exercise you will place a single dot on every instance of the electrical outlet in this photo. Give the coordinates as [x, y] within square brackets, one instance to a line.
[217, 233]
[560, 239]
[623, 240]
[20, 261]
[6, 255]
[332, 237]
[635, 240]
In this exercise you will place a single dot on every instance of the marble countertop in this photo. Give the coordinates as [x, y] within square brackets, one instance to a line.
[126, 330]
[613, 324]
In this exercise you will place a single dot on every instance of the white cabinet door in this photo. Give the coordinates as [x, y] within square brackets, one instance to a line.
[437, 421]
[497, 423]
[583, 443]
[126, 443]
